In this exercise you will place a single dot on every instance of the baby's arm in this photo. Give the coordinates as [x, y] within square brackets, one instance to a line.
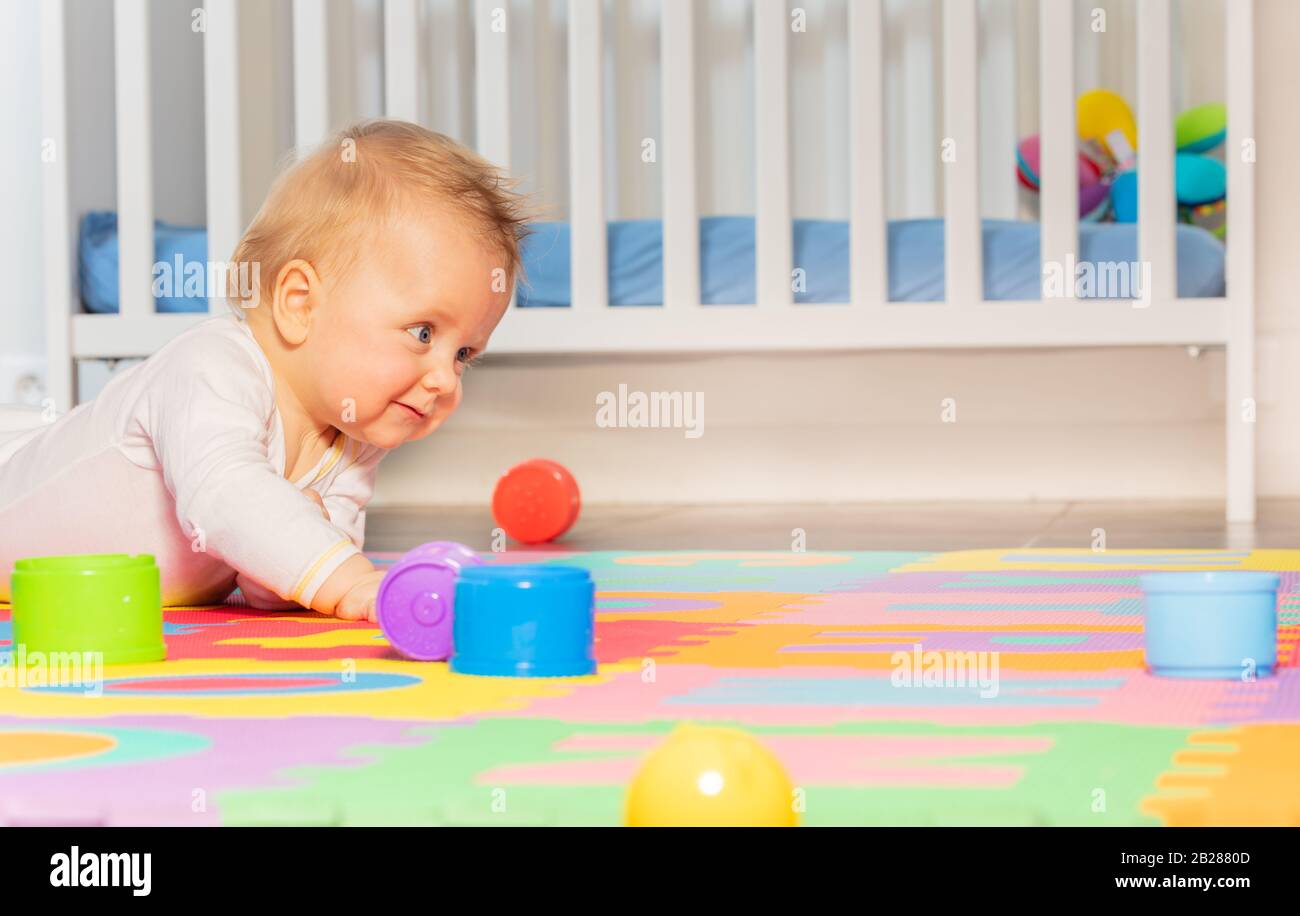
[344, 504]
[344, 580]
[210, 430]
[350, 490]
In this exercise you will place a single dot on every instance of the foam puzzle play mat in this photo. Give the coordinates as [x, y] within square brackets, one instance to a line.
[971, 687]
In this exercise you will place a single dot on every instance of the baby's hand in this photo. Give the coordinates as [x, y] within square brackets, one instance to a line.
[358, 602]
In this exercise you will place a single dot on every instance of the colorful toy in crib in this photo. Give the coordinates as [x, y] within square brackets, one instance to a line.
[1093, 191]
[1211, 625]
[1104, 120]
[536, 501]
[710, 777]
[439, 601]
[1108, 177]
[106, 604]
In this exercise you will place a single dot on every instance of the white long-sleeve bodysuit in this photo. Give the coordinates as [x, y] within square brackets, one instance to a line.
[183, 457]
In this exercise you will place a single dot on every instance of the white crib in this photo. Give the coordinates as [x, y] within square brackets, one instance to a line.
[774, 322]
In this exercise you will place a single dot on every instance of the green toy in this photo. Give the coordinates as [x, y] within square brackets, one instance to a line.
[1200, 129]
[105, 603]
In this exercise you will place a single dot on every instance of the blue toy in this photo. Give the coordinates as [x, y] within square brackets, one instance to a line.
[1124, 197]
[524, 621]
[1211, 625]
[1198, 180]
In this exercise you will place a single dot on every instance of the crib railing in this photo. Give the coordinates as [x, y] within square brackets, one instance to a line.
[774, 321]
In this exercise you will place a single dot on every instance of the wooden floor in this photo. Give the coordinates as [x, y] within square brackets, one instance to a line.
[893, 526]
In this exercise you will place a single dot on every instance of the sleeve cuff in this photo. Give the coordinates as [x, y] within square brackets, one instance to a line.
[309, 583]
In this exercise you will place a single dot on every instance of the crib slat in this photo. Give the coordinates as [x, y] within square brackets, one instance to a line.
[915, 99]
[590, 284]
[451, 70]
[549, 79]
[311, 110]
[401, 76]
[1087, 54]
[1058, 159]
[868, 267]
[773, 229]
[221, 131]
[681, 206]
[492, 85]
[57, 235]
[1156, 201]
[998, 92]
[134, 158]
[1240, 160]
[963, 249]
[492, 81]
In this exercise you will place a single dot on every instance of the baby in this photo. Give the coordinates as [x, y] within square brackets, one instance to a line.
[244, 451]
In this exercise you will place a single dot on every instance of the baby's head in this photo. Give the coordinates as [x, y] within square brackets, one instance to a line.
[386, 258]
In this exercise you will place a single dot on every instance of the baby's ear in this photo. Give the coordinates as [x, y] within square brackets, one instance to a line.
[297, 291]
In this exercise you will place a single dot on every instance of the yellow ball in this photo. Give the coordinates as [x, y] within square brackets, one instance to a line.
[710, 777]
[1100, 113]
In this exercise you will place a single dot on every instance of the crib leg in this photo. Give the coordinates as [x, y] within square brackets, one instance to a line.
[1240, 426]
[60, 377]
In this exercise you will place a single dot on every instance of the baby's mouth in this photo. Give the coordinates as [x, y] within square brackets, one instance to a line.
[412, 411]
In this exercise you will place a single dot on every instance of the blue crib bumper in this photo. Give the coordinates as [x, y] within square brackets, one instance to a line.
[727, 260]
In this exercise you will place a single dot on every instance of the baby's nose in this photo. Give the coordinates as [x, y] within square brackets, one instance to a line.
[440, 379]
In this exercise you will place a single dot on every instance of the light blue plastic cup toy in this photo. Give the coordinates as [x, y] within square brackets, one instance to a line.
[1211, 625]
[524, 621]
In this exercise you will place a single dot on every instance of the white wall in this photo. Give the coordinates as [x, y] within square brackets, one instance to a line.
[21, 329]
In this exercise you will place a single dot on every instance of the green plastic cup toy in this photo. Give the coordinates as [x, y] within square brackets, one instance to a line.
[107, 603]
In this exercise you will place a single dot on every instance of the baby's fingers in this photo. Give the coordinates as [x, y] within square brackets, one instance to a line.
[355, 612]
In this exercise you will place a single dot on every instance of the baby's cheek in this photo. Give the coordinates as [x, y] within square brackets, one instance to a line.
[444, 408]
[453, 400]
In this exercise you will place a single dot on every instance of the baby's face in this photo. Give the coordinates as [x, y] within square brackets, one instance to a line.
[397, 330]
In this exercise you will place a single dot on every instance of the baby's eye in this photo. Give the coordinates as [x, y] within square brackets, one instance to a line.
[465, 355]
[422, 337]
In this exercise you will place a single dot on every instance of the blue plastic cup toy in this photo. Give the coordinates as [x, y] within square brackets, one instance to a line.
[525, 621]
[416, 601]
[1211, 625]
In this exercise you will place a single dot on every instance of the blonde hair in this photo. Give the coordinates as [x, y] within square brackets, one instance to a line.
[322, 207]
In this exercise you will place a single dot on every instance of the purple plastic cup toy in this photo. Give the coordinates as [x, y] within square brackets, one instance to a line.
[417, 597]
